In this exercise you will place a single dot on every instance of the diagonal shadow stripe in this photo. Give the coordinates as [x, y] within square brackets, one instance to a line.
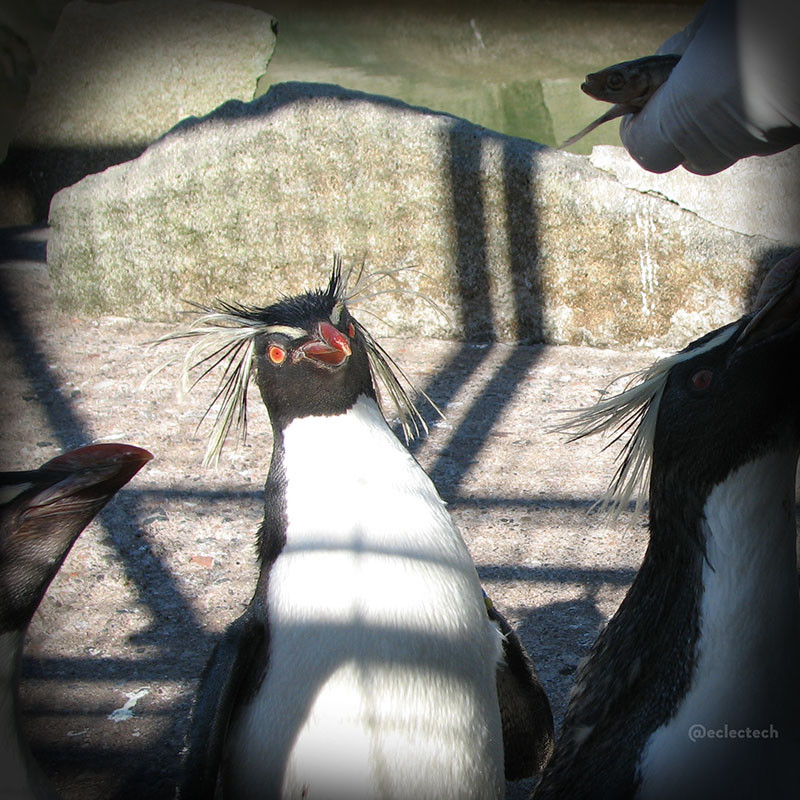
[152, 578]
[546, 501]
[71, 431]
[464, 447]
[473, 281]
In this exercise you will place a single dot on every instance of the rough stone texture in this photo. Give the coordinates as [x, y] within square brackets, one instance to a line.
[515, 241]
[757, 196]
[116, 76]
[125, 73]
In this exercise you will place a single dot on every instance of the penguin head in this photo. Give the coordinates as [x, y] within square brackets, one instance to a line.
[696, 416]
[43, 511]
[310, 355]
[730, 397]
[312, 359]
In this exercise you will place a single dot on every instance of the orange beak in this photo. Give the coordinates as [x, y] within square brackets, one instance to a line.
[331, 348]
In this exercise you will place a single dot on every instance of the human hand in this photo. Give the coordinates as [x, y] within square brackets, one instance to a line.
[734, 93]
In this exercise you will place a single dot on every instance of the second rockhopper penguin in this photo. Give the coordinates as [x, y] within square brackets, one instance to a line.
[366, 665]
[42, 513]
[692, 691]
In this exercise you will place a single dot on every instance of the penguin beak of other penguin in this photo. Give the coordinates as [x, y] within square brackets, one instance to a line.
[777, 307]
[91, 475]
[329, 348]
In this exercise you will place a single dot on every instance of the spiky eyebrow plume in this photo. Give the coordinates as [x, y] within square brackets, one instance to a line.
[362, 288]
[224, 336]
[634, 410]
[385, 371]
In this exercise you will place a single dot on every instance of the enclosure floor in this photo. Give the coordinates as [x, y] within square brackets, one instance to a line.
[153, 582]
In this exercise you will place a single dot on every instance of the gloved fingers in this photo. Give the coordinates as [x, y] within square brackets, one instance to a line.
[652, 151]
[735, 92]
[680, 41]
[696, 118]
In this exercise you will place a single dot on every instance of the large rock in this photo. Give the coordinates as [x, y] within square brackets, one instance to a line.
[117, 76]
[758, 196]
[513, 240]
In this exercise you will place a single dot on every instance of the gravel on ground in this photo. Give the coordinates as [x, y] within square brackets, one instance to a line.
[115, 650]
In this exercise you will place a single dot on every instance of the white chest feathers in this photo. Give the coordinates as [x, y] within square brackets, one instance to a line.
[736, 733]
[381, 679]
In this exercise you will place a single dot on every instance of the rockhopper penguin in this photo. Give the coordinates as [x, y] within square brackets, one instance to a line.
[693, 688]
[42, 512]
[366, 665]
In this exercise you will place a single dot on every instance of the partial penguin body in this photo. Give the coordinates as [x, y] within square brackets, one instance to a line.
[42, 513]
[376, 618]
[693, 688]
[744, 695]
[368, 664]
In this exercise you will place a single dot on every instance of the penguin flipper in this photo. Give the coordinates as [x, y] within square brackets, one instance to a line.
[220, 685]
[528, 735]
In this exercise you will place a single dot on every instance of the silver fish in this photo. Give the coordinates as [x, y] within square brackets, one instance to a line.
[629, 84]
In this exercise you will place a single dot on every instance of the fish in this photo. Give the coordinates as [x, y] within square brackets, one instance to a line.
[629, 85]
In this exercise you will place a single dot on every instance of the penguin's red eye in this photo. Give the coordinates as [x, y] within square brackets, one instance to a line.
[702, 379]
[276, 354]
[351, 330]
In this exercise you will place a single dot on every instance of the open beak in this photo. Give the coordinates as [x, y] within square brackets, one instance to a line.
[329, 348]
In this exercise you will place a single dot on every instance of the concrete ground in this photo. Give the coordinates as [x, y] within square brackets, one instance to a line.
[115, 650]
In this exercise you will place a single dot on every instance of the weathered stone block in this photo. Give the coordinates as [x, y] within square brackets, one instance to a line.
[513, 240]
[124, 73]
[117, 76]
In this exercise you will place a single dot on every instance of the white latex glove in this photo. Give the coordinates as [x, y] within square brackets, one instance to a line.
[734, 93]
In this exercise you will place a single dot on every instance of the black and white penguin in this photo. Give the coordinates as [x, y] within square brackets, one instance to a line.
[693, 688]
[42, 513]
[366, 665]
